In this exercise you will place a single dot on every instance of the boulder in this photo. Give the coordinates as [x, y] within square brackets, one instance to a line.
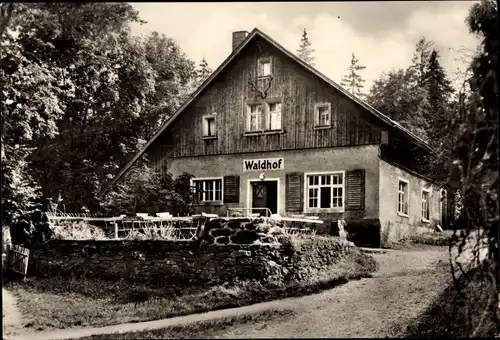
[222, 240]
[220, 232]
[244, 237]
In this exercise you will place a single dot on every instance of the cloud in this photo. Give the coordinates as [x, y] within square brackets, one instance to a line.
[204, 30]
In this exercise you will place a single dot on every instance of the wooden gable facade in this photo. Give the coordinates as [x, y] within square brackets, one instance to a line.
[298, 91]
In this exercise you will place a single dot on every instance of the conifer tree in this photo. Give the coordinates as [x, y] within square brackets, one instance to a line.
[305, 52]
[353, 80]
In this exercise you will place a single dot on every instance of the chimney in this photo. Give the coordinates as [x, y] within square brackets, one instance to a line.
[238, 38]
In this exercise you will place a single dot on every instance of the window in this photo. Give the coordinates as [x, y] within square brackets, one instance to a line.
[254, 117]
[325, 191]
[264, 67]
[209, 126]
[274, 110]
[425, 205]
[323, 115]
[208, 190]
[403, 197]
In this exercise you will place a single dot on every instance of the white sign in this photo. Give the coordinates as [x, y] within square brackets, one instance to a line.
[263, 164]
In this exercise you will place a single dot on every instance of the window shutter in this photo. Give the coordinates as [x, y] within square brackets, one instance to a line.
[355, 189]
[231, 189]
[294, 191]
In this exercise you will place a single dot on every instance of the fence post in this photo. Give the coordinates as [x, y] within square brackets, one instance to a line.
[116, 229]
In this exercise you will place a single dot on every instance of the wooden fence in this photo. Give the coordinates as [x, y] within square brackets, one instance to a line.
[17, 259]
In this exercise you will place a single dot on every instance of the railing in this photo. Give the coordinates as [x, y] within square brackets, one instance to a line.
[248, 212]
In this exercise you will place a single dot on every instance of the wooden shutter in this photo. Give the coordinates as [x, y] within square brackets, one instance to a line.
[355, 189]
[294, 191]
[231, 189]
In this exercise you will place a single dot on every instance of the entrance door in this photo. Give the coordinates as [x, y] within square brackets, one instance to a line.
[265, 195]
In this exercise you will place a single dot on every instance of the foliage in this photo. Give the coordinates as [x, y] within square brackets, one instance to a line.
[305, 51]
[82, 95]
[145, 190]
[202, 73]
[353, 80]
[475, 165]
[82, 230]
[397, 95]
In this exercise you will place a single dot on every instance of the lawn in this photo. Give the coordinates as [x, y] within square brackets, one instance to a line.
[199, 330]
[59, 303]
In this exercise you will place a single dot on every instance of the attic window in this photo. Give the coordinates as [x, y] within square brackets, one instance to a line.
[322, 115]
[264, 67]
[209, 126]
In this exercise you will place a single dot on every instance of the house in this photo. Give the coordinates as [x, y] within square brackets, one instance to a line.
[266, 130]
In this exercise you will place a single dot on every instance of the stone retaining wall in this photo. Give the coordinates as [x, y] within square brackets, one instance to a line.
[159, 263]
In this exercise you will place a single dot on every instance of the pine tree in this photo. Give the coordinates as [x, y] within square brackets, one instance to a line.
[203, 72]
[439, 93]
[305, 51]
[353, 80]
[420, 59]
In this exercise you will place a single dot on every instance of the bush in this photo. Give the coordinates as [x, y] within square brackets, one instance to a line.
[82, 230]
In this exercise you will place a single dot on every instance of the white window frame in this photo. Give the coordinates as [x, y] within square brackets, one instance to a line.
[248, 117]
[406, 198]
[306, 192]
[260, 62]
[317, 118]
[205, 179]
[269, 113]
[428, 192]
[204, 126]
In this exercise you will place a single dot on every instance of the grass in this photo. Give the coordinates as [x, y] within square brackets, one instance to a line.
[58, 303]
[427, 239]
[198, 330]
[457, 313]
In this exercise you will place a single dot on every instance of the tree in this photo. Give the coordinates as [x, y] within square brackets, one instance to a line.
[397, 95]
[439, 92]
[305, 52]
[420, 59]
[475, 168]
[202, 72]
[353, 80]
[145, 190]
[83, 95]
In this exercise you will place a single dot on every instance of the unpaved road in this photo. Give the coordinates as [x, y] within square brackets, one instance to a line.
[407, 282]
[11, 315]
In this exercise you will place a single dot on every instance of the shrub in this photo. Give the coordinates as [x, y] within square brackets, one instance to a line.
[82, 230]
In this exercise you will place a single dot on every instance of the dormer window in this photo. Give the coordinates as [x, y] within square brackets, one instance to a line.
[322, 115]
[209, 126]
[264, 67]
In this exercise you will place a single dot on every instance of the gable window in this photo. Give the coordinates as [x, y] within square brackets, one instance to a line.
[425, 205]
[208, 189]
[403, 197]
[264, 67]
[322, 115]
[254, 117]
[325, 191]
[209, 126]
[274, 114]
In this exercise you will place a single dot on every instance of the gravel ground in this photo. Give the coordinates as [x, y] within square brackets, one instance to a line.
[407, 282]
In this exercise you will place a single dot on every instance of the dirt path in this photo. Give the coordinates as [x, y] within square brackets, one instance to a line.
[12, 319]
[405, 285]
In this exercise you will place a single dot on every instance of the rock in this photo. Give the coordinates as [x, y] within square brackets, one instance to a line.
[249, 226]
[220, 232]
[222, 240]
[245, 253]
[244, 237]
[263, 227]
[234, 224]
[276, 230]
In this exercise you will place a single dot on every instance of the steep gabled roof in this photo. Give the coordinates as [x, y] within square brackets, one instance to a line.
[256, 32]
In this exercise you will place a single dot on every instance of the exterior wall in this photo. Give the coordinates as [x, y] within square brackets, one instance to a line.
[394, 226]
[312, 160]
[299, 92]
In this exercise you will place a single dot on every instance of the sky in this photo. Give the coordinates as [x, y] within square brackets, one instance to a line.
[381, 34]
